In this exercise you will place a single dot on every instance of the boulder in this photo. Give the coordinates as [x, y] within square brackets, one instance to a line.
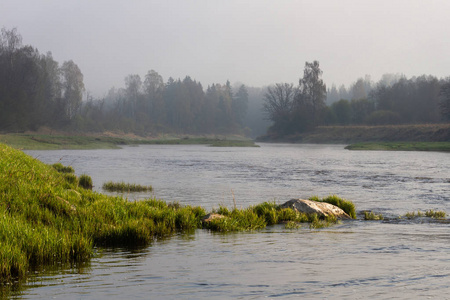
[320, 208]
[211, 216]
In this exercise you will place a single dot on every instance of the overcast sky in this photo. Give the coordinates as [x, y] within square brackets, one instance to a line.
[255, 42]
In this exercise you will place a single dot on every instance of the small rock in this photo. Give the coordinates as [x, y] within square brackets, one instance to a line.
[211, 216]
[320, 208]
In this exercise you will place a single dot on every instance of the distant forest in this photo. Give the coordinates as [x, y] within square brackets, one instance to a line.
[393, 100]
[37, 91]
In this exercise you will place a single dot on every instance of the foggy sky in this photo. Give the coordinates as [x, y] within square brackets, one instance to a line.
[255, 42]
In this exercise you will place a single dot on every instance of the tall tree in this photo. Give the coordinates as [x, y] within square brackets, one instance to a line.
[444, 104]
[154, 90]
[240, 104]
[133, 86]
[312, 90]
[72, 88]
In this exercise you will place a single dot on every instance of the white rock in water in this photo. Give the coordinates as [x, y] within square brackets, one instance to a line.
[320, 208]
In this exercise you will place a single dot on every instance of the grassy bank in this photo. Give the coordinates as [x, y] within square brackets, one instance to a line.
[402, 146]
[358, 134]
[56, 142]
[48, 218]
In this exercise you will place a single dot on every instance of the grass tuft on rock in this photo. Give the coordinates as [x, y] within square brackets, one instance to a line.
[346, 205]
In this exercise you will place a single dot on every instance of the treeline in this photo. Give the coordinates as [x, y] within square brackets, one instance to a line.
[180, 106]
[393, 100]
[36, 91]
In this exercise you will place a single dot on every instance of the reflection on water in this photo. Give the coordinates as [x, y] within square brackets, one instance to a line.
[355, 260]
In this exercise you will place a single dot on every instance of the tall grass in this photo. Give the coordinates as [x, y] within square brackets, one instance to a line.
[262, 215]
[435, 214]
[126, 187]
[46, 217]
[347, 206]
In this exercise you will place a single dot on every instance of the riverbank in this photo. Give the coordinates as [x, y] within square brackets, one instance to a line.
[48, 218]
[359, 134]
[40, 141]
[402, 146]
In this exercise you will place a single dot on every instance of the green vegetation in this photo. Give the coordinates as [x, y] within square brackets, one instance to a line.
[85, 181]
[235, 143]
[126, 187]
[63, 169]
[55, 142]
[347, 206]
[262, 215]
[402, 146]
[362, 134]
[368, 215]
[48, 218]
[429, 214]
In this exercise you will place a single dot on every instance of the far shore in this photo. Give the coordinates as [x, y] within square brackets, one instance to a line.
[76, 141]
[434, 135]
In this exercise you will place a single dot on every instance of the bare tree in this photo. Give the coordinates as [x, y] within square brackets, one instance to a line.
[278, 105]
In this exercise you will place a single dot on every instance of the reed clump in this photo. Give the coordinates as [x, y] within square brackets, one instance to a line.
[371, 216]
[435, 214]
[126, 187]
[85, 181]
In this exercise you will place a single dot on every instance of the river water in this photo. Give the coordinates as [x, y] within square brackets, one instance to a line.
[390, 259]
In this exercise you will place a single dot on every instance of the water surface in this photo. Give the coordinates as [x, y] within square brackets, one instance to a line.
[354, 260]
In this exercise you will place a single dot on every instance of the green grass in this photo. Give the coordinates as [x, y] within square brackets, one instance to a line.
[56, 142]
[435, 214]
[125, 187]
[47, 217]
[346, 205]
[63, 169]
[262, 215]
[85, 181]
[370, 216]
[402, 146]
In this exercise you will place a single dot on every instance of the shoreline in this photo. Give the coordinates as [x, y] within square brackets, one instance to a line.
[59, 141]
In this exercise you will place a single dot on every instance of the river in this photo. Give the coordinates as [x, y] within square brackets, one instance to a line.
[390, 259]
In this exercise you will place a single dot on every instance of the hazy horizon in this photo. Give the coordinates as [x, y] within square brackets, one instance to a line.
[254, 42]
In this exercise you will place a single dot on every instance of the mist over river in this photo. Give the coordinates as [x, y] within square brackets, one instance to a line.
[394, 258]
